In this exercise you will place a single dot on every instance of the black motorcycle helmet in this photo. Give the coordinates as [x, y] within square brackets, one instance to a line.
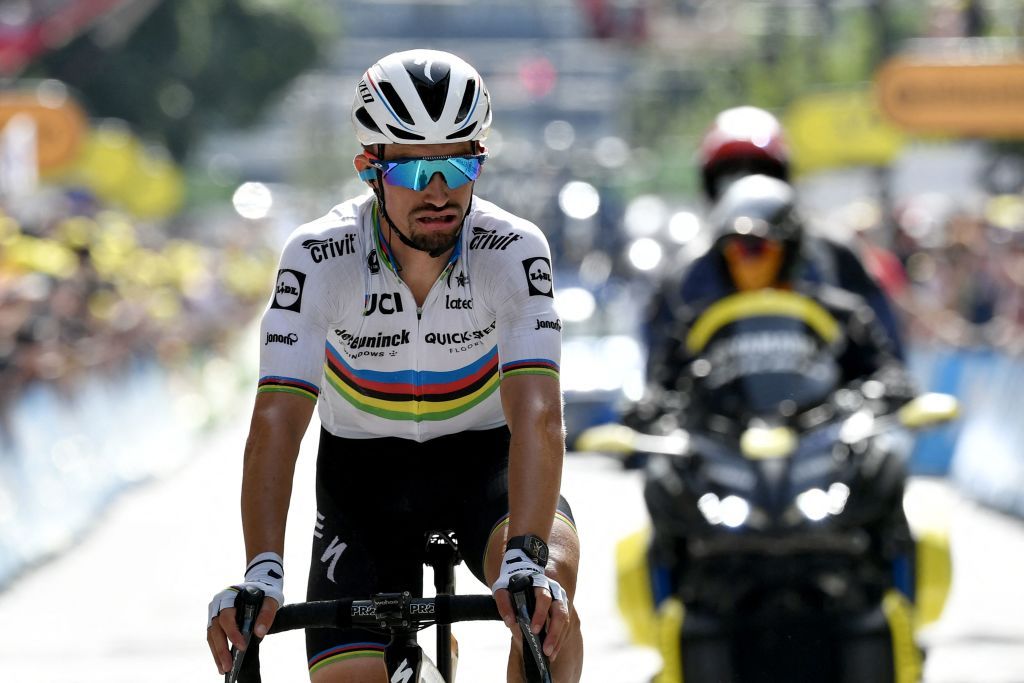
[759, 208]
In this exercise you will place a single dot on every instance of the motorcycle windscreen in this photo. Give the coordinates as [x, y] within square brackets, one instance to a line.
[766, 365]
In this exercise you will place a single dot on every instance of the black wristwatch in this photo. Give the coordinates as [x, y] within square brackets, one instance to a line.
[534, 547]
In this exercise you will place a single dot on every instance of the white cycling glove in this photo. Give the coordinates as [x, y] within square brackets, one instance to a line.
[517, 562]
[265, 572]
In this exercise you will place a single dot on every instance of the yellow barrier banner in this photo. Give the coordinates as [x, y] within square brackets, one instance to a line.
[837, 129]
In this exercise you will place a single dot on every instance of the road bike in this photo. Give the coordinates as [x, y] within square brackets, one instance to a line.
[401, 616]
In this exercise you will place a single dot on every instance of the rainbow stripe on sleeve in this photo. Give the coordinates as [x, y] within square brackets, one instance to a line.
[530, 366]
[288, 385]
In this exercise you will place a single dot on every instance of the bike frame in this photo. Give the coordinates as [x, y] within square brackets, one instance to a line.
[403, 652]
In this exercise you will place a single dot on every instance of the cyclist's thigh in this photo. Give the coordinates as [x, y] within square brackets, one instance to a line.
[358, 671]
[368, 538]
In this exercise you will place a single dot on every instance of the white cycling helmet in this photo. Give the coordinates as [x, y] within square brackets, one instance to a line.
[421, 97]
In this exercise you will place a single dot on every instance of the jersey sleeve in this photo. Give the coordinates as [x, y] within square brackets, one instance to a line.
[294, 326]
[521, 288]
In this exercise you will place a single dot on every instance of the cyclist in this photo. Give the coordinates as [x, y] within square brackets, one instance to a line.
[743, 141]
[420, 320]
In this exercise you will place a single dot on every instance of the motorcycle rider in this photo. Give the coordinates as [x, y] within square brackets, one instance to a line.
[719, 343]
[744, 141]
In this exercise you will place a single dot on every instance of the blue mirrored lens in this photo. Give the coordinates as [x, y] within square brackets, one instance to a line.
[415, 174]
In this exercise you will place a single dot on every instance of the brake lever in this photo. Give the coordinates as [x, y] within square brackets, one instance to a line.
[520, 588]
[247, 606]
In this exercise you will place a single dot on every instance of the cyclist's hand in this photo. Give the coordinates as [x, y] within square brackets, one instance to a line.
[266, 573]
[552, 603]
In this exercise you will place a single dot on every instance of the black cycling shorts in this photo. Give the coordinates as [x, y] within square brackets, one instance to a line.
[376, 501]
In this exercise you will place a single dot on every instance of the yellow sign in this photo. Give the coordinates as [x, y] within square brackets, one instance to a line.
[969, 99]
[60, 126]
[835, 129]
[115, 165]
[108, 161]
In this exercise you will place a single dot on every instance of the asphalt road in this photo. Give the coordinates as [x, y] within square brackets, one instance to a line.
[128, 602]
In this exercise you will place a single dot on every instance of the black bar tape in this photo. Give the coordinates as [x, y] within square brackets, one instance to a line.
[318, 614]
[343, 613]
[467, 608]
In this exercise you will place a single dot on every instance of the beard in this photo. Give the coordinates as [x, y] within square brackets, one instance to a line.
[435, 241]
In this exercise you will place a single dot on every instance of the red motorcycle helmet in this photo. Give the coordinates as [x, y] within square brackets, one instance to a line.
[742, 141]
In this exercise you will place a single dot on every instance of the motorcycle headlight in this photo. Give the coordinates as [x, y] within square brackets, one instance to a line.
[731, 511]
[816, 504]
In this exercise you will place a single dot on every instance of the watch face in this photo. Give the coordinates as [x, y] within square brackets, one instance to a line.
[538, 550]
[533, 546]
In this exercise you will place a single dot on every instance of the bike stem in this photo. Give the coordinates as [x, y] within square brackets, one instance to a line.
[442, 554]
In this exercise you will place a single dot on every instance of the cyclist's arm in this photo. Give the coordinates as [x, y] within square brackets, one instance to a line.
[533, 409]
[518, 289]
[292, 334]
[279, 421]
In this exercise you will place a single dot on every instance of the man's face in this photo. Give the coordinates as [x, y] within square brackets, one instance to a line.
[754, 262]
[430, 218]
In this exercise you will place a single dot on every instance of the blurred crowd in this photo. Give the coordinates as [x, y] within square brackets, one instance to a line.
[86, 291]
[955, 273]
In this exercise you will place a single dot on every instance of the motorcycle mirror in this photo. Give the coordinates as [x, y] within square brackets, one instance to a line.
[616, 438]
[764, 443]
[607, 438]
[928, 409]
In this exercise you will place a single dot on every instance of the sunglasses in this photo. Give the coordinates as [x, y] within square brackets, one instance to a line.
[415, 174]
[750, 245]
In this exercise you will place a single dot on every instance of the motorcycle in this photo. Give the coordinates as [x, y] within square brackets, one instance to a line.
[779, 548]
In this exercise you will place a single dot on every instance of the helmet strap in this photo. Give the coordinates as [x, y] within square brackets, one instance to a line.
[378, 190]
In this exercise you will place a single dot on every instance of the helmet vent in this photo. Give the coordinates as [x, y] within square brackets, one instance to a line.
[431, 78]
[467, 102]
[393, 98]
[404, 134]
[433, 95]
[364, 118]
[465, 132]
